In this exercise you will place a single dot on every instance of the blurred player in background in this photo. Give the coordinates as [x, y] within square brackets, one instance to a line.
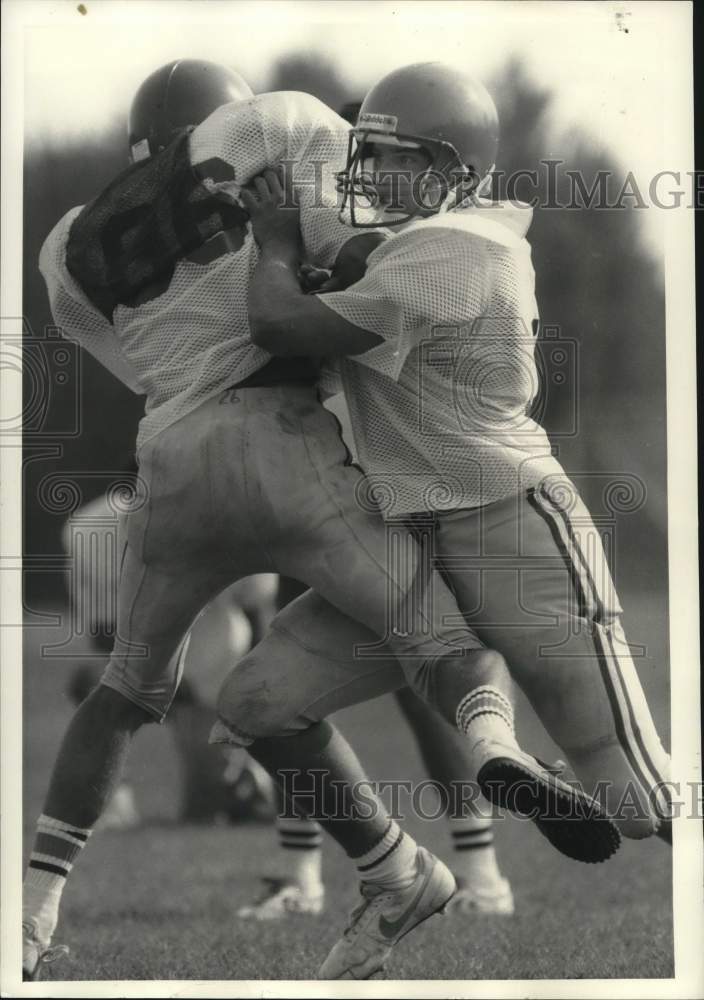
[214, 787]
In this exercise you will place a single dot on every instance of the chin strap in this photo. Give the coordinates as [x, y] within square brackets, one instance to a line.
[456, 199]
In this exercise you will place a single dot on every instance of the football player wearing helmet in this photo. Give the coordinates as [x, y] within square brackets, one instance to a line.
[439, 387]
[481, 886]
[176, 97]
[242, 470]
[438, 146]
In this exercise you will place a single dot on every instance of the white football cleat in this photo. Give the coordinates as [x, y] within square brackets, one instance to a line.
[571, 820]
[36, 955]
[282, 898]
[491, 897]
[385, 916]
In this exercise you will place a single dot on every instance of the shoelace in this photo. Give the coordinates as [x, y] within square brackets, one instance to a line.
[46, 955]
[370, 895]
[53, 953]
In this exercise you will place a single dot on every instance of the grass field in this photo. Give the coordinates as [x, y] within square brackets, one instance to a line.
[159, 902]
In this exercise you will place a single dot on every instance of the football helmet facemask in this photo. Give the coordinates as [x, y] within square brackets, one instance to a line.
[428, 106]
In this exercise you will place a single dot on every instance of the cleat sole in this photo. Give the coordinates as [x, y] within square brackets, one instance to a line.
[574, 823]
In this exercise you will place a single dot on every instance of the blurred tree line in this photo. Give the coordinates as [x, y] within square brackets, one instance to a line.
[594, 283]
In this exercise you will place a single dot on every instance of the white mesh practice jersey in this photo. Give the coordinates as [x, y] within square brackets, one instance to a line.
[439, 409]
[193, 340]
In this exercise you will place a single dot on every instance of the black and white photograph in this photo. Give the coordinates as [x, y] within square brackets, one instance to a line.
[349, 542]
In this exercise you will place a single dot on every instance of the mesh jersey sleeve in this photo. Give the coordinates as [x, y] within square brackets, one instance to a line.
[242, 139]
[77, 318]
[415, 282]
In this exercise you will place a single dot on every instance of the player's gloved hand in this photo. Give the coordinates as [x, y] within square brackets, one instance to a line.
[273, 211]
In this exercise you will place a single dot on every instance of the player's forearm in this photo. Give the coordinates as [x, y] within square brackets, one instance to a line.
[273, 299]
[285, 321]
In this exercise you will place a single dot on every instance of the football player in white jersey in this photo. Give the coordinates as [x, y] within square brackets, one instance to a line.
[446, 311]
[298, 888]
[240, 468]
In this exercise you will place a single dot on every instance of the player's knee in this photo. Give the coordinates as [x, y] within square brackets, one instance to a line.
[251, 706]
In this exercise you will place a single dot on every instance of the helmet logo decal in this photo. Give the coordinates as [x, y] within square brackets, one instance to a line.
[140, 150]
[378, 123]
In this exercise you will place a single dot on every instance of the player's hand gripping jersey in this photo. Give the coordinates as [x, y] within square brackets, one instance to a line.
[439, 410]
[188, 340]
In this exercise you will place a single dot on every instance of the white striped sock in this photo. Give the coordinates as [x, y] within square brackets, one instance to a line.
[391, 862]
[486, 713]
[65, 831]
[55, 848]
[474, 858]
[301, 843]
[299, 834]
[470, 834]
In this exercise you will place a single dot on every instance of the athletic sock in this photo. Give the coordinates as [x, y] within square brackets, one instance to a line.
[486, 714]
[301, 843]
[56, 847]
[474, 858]
[391, 862]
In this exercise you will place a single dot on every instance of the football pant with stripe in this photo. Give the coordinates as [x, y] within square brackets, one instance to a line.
[531, 577]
